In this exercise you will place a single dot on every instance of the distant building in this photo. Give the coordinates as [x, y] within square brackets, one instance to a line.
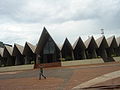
[47, 52]
[2, 45]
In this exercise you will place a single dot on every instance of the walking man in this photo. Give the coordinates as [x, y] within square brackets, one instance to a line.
[41, 73]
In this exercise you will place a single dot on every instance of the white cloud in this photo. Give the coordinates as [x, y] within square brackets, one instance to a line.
[23, 20]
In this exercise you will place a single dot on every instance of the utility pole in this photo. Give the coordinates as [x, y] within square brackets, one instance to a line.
[102, 31]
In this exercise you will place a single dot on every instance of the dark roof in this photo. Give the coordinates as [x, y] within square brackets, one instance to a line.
[17, 49]
[1, 44]
[30, 47]
[118, 41]
[90, 42]
[43, 39]
[80, 43]
[102, 42]
[1, 52]
[7, 51]
[112, 42]
[66, 43]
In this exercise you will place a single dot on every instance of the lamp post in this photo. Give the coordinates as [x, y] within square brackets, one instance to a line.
[102, 31]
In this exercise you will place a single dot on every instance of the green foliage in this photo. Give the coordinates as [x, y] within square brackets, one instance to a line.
[62, 59]
[68, 58]
[32, 62]
[2, 65]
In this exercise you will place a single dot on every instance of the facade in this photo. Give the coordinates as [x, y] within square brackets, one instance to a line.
[29, 54]
[112, 50]
[91, 48]
[79, 49]
[47, 51]
[7, 55]
[102, 46]
[17, 53]
[118, 49]
[67, 51]
[1, 57]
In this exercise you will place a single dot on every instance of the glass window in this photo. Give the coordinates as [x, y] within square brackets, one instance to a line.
[49, 47]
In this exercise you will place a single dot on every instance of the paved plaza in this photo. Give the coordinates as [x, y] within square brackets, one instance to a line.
[63, 78]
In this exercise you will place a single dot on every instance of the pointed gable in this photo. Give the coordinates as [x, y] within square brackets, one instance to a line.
[29, 48]
[42, 41]
[1, 52]
[102, 42]
[79, 43]
[17, 50]
[66, 44]
[112, 42]
[7, 51]
[91, 43]
[118, 41]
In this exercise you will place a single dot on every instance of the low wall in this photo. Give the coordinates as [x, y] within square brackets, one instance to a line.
[46, 65]
[16, 68]
[117, 59]
[82, 62]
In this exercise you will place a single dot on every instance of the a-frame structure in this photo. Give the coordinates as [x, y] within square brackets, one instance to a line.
[79, 49]
[29, 53]
[47, 50]
[112, 50]
[91, 48]
[7, 54]
[118, 49]
[17, 53]
[2, 61]
[102, 46]
[67, 50]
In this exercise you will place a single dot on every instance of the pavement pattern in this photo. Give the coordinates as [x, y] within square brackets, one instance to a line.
[59, 78]
[99, 79]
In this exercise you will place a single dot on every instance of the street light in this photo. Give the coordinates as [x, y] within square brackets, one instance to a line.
[102, 31]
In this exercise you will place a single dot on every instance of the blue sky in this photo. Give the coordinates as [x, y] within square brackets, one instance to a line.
[23, 20]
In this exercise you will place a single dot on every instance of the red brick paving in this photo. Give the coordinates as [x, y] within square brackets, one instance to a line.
[115, 81]
[30, 84]
[80, 76]
[55, 83]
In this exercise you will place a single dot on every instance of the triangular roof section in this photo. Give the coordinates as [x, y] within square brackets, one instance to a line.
[43, 39]
[1, 52]
[79, 43]
[112, 42]
[118, 41]
[17, 49]
[7, 51]
[66, 42]
[30, 47]
[90, 42]
[102, 42]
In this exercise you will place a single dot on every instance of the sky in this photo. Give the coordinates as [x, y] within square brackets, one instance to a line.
[23, 20]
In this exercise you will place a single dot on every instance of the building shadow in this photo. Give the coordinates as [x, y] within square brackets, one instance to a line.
[108, 59]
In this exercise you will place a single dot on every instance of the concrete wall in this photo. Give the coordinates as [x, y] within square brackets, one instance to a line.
[16, 68]
[46, 65]
[82, 62]
[117, 59]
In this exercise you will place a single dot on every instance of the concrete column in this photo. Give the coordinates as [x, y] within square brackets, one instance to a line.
[60, 54]
[0, 62]
[73, 56]
[103, 53]
[84, 55]
[87, 54]
[94, 54]
[34, 58]
[9, 61]
[37, 59]
[17, 60]
[27, 60]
